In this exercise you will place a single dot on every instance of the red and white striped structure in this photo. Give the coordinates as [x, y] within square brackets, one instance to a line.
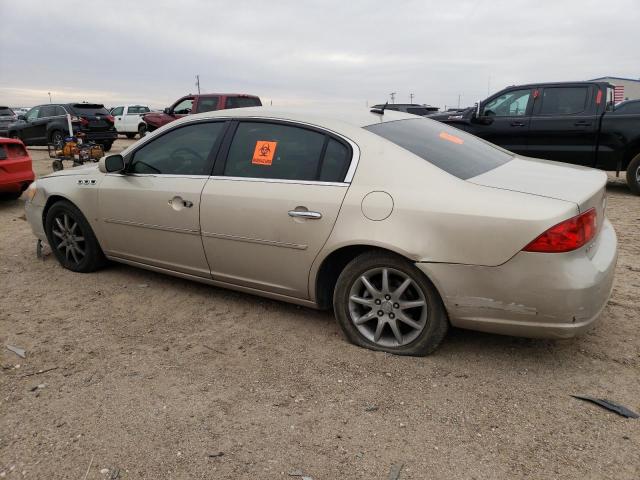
[618, 93]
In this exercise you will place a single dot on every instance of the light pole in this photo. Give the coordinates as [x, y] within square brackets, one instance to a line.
[198, 83]
[393, 97]
[411, 98]
[49, 96]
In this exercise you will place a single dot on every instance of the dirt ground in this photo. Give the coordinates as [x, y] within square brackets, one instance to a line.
[156, 377]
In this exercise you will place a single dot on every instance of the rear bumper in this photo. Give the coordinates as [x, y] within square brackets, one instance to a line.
[16, 181]
[110, 135]
[533, 294]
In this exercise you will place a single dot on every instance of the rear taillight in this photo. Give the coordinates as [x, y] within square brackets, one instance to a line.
[110, 118]
[566, 236]
[83, 121]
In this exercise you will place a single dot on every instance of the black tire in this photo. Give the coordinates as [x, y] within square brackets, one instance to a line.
[57, 137]
[633, 175]
[10, 195]
[434, 321]
[130, 135]
[106, 146]
[142, 130]
[93, 258]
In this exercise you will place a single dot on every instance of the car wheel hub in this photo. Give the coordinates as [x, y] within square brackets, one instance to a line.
[387, 307]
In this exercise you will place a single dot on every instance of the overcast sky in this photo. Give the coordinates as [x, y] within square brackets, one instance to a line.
[294, 52]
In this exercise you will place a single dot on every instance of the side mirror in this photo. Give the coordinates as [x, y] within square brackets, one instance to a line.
[167, 111]
[22, 117]
[478, 109]
[111, 164]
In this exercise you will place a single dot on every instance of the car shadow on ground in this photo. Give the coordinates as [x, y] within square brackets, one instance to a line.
[456, 343]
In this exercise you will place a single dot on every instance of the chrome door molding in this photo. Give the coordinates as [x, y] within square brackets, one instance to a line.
[240, 238]
[277, 180]
[153, 227]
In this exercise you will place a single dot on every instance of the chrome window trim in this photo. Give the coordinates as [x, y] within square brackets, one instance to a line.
[159, 175]
[355, 158]
[279, 180]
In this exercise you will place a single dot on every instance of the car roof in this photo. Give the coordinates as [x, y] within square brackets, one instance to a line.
[323, 116]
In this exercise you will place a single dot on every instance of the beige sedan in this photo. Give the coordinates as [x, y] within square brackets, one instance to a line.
[402, 224]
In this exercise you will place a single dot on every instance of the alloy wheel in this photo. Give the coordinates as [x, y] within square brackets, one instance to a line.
[69, 238]
[387, 307]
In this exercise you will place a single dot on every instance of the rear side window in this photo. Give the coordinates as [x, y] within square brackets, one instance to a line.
[241, 102]
[47, 111]
[60, 110]
[137, 110]
[182, 151]
[6, 112]
[207, 104]
[563, 100]
[286, 152]
[452, 150]
[89, 109]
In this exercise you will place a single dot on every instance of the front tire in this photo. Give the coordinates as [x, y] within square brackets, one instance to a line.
[57, 138]
[383, 302]
[106, 146]
[71, 238]
[142, 130]
[633, 175]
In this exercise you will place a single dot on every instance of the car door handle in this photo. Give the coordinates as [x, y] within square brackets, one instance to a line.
[179, 202]
[305, 214]
[582, 123]
[517, 124]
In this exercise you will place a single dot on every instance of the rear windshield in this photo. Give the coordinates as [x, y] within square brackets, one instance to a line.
[6, 112]
[454, 151]
[89, 109]
[240, 102]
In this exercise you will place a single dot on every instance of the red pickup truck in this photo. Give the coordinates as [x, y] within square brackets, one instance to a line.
[205, 102]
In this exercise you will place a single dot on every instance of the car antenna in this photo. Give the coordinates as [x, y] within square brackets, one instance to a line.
[380, 111]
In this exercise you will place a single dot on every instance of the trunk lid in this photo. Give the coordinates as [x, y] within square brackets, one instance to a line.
[586, 187]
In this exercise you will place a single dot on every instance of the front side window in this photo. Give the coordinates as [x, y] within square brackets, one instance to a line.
[454, 151]
[184, 107]
[33, 114]
[510, 104]
[117, 111]
[564, 100]
[285, 152]
[207, 104]
[182, 151]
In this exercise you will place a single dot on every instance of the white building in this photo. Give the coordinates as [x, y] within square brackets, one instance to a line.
[631, 86]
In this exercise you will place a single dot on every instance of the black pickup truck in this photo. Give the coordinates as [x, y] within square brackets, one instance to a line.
[572, 122]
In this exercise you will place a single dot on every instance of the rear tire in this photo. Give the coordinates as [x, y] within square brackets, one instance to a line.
[72, 240]
[633, 175]
[402, 314]
[57, 137]
[142, 130]
[107, 146]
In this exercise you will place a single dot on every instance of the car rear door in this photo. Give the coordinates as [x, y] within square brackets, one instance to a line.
[508, 116]
[564, 125]
[151, 213]
[272, 203]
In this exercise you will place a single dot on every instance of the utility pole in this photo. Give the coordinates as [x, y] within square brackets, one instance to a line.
[198, 83]
[459, 98]
[489, 86]
[49, 96]
[411, 98]
[393, 97]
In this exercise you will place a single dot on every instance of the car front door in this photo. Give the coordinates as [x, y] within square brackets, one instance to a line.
[564, 125]
[182, 107]
[508, 116]
[150, 214]
[118, 119]
[29, 131]
[270, 207]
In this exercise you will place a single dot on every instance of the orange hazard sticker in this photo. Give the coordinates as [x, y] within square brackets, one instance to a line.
[451, 138]
[263, 154]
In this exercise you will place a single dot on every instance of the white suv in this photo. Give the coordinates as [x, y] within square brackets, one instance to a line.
[128, 119]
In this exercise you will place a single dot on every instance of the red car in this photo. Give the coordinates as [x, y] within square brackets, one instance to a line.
[16, 171]
[204, 102]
